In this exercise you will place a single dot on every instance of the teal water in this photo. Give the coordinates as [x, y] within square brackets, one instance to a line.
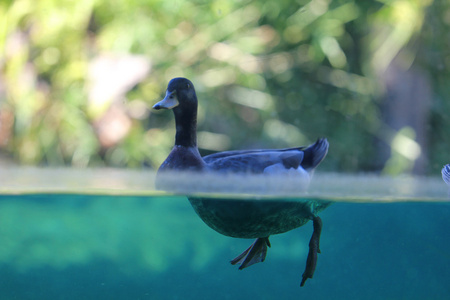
[95, 246]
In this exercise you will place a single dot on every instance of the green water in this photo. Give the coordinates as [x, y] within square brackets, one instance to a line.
[115, 239]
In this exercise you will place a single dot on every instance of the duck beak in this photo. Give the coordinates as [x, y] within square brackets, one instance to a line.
[170, 101]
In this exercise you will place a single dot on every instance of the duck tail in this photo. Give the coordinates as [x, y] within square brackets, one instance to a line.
[315, 153]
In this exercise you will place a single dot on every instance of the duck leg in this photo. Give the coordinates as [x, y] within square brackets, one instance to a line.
[311, 261]
[254, 254]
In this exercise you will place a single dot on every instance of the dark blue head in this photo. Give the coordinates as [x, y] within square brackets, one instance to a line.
[181, 98]
[180, 92]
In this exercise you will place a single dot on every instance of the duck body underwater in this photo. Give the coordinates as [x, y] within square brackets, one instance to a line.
[248, 218]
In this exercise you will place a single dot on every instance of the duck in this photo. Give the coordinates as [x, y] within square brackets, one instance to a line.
[446, 174]
[245, 218]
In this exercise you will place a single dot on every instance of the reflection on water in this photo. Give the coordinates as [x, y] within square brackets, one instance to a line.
[334, 187]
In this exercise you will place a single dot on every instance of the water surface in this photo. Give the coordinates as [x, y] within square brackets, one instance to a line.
[107, 234]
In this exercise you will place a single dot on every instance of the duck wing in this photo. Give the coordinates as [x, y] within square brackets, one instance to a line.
[269, 161]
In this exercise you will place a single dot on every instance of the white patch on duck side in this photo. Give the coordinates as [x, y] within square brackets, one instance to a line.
[301, 177]
[280, 169]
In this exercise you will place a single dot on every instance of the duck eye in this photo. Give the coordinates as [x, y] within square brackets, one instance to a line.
[188, 85]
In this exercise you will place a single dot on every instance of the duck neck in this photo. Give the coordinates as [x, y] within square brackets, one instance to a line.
[186, 126]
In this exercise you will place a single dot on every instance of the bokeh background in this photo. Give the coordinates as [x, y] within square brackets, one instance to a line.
[78, 80]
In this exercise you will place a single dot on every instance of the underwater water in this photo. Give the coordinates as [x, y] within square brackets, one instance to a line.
[116, 241]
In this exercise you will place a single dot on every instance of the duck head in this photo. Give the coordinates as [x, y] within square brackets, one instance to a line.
[181, 98]
[180, 92]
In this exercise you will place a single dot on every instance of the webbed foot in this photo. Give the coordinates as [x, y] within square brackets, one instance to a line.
[254, 254]
[311, 261]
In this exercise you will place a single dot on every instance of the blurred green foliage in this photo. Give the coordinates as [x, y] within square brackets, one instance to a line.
[78, 78]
